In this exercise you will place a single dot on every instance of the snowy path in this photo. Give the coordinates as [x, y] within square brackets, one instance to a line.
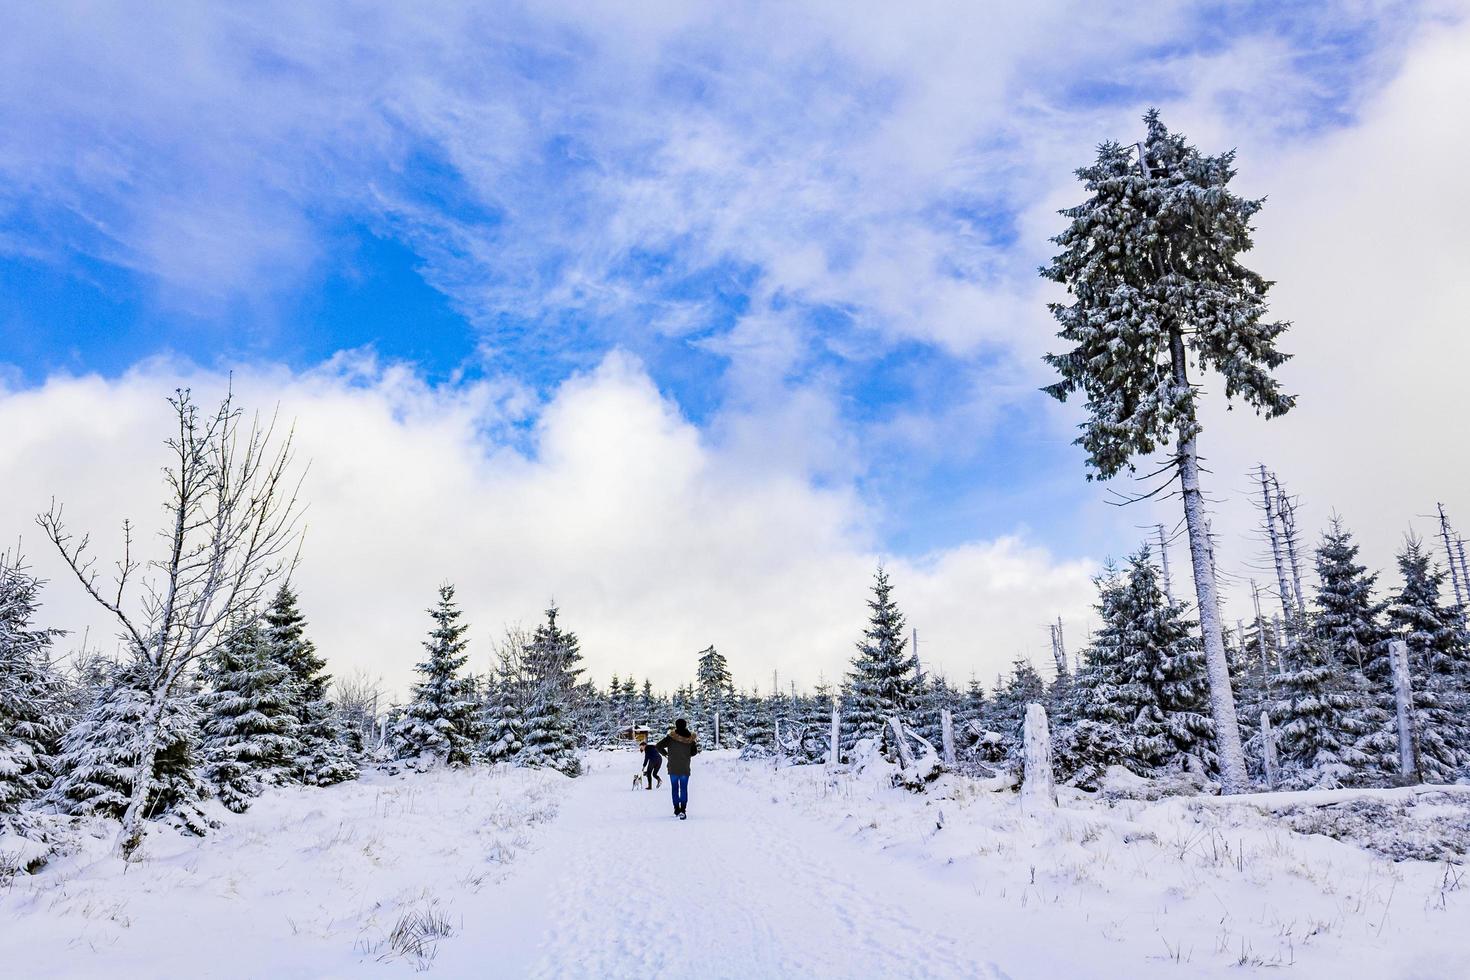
[619, 888]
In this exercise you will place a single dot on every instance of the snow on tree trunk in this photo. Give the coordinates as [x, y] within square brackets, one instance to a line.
[1403, 696]
[1233, 777]
[130, 835]
[834, 747]
[946, 722]
[1038, 789]
[1268, 750]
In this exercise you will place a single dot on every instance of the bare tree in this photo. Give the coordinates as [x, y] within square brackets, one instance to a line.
[232, 526]
[358, 696]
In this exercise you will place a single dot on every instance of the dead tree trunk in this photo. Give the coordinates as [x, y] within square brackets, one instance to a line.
[1444, 530]
[905, 754]
[946, 731]
[1164, 564]
[834, 748]
[1038, 788]
[1287, 509]
[1403, 697]
[1268, 750]
[1270, 509]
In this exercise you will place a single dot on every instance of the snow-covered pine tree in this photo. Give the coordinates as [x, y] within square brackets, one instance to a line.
[500, 722]
[647, 702]
[32, 707]
[322, 757]
[1151, 263]
[249, 718]
[440, 722]
[1165, 686]
[549, 734]
[1096, 735]
[100, 756]
[1349, 620]
[882, 682]
[1317, 729]
[1006, 714]
[757, 730]
[714, 691]
[1437, 666]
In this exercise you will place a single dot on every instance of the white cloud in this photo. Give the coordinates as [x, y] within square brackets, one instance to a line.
[654, 541]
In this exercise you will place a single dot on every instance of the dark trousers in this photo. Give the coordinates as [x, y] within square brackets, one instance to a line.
[680, 786]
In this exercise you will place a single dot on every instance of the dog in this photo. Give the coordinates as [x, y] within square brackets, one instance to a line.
[638, 780]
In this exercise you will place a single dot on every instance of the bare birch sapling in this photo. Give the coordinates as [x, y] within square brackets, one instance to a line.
[232, 521]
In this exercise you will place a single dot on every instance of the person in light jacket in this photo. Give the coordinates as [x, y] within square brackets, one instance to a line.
[679, 746]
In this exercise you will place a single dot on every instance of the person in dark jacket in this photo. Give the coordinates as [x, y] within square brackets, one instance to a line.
[680, 746]
[653, 760]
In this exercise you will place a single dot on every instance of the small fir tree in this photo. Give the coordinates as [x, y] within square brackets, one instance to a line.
[550, 734]
[323, 756]
[249, 718]
[500, 723]
[32, 695]
[882, 683]
[100, 755]
[714, 692]
[440, 722]
[1437, 667]
[1317, 727]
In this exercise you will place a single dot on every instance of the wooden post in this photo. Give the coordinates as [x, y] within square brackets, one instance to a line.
[946, 728]
[1268, 749]
[1403, 696]
[717, 728]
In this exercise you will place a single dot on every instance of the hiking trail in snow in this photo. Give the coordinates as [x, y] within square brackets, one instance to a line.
[744, 888]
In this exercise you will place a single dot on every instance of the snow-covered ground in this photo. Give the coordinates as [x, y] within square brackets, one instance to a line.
[513, 873]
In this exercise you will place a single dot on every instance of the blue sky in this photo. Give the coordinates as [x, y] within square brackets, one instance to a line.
[816, 223]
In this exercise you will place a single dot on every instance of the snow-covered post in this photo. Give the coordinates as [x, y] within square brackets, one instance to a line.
[905, 754]
[835, 748]
[1038, 788]
[717, 728]
[946, 729]
[1403, 696]
[1268, 750]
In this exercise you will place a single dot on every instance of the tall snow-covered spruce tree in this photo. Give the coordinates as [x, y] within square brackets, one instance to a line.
[883, 682]
[441, 721]
[1150, 261]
